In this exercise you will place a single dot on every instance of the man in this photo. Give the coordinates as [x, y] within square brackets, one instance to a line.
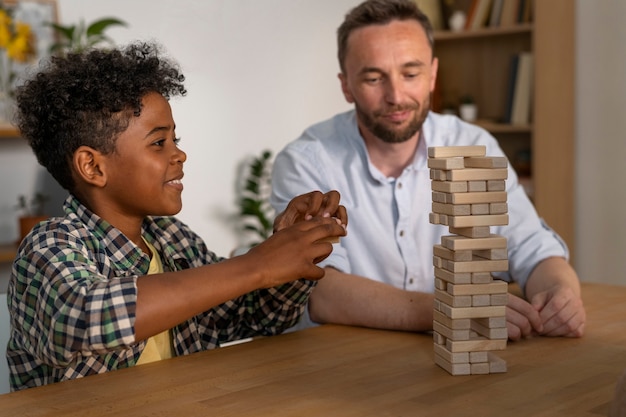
[381, 274]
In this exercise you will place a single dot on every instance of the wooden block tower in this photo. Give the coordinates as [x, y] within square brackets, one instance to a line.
[469, 196]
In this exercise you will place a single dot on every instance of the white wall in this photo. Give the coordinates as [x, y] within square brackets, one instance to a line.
[601, 141]
[260, 71]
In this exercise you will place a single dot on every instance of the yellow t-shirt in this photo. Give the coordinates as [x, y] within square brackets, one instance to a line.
[159, 346]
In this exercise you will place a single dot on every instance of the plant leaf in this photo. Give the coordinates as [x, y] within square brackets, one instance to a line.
[99, 26]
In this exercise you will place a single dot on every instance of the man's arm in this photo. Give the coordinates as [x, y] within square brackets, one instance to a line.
[554, 306]
[354, 300]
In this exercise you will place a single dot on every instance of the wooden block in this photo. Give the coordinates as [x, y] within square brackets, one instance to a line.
[451, 334]
[445, 253]
[496, 185]
[492, 241]
[435, 218]
[481, 278]
[479, 368]
[477, 357]
[439, 339]
[472, 221]
[458, 324]
[499, 299]
[458, 278]
[439, 197]
[476, 197]
[473, 232]
[495, 287]
[456, 151]
[477, 174]
[453, 209]
[481, 300]
[453, 368]
[476, 186]
[500, 253]
[476, 265]
[438, 174]
[453, 301]
[438, 262]
[440, 284]
[449, 186]
[471, 312]
[456, 357]
[498, 208]
[490, 333]
[496, 364]
[478, 209]
[486, 162]
[446, 163]
[481, 344]
[491, 322]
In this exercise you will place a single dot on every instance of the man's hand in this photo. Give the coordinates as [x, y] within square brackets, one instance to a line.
[313, 204]
[561, 312]
[522, 319]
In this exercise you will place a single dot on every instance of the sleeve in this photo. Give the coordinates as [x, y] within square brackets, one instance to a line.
[295, 171]
[298, 170]
[65, 305]
[529, 239]
[265, 312]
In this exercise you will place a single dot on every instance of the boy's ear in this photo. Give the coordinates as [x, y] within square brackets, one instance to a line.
[89, 166]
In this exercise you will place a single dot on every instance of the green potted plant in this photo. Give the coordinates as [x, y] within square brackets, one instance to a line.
[31, 212]
[78, 37]
[254, 209]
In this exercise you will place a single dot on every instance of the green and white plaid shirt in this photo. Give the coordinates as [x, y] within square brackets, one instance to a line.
[73, 291]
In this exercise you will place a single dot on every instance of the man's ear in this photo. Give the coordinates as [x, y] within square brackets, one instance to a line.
[90, 166]
[344, 88]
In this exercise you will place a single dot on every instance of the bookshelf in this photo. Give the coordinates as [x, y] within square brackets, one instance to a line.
[8, 131]
[477, 62]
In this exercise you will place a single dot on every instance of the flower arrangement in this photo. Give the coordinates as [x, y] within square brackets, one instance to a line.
[17, 45]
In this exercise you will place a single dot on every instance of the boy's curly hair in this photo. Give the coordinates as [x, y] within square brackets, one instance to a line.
[88, 99]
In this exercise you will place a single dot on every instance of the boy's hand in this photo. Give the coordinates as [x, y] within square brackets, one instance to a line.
[313, 204]
[293, 252]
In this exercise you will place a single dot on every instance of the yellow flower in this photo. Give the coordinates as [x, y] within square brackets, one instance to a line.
[21, 48]
[5, 29]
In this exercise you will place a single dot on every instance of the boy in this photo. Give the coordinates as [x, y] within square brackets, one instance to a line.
[80, 297]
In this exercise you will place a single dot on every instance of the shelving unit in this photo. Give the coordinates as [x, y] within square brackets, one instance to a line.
[7, 251]
[477, 63]
[8, 131]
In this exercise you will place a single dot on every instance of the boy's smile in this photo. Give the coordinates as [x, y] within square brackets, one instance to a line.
[144, 173]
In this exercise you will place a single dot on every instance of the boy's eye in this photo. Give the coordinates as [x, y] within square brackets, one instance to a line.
[176, 141]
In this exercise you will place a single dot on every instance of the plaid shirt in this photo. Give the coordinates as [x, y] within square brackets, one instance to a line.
[73, 292]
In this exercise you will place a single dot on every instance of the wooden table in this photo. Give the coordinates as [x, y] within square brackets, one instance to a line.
[347, 371]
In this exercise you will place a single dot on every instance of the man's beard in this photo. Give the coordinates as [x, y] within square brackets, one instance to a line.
[388, 135]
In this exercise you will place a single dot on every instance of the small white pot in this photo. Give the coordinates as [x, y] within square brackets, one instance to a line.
[468, 112]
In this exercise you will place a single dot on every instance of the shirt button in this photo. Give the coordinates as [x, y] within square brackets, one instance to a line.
[410, 280]
[399, 185]
[401, 233]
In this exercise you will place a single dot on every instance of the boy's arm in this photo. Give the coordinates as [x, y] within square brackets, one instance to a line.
[167, 299]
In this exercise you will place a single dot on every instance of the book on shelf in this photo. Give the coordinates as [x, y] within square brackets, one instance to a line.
[510, 10]
[496, 12]
[519, 95]
[479, 14]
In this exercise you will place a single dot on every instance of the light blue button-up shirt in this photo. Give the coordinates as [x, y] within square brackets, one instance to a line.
[390, 238]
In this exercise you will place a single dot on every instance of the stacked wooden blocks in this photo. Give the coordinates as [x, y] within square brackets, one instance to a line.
[469, 196]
